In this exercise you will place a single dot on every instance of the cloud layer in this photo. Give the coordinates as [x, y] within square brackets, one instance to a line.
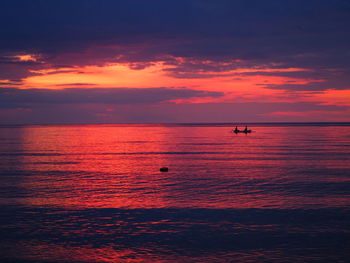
[286, 53]
[12, 97]
[313, 33]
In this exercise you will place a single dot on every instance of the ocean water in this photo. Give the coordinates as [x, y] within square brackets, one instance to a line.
[94, 193]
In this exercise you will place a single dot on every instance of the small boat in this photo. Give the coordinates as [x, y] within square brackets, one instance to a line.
[236, 130]
[244, 131]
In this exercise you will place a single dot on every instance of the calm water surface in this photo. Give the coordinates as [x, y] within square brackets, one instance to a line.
[94, 193]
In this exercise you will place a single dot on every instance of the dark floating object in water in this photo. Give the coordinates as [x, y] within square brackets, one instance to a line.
[247, 131]
[164, 169]
[236, 130]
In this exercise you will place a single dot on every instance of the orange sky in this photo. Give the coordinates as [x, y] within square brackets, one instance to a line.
[239, 85]
[231, 82]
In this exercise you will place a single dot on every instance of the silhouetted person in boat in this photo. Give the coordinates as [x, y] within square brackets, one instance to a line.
[246, 129]
[236, 130]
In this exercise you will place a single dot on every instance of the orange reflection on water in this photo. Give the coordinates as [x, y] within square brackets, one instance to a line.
[100, 167]
[60, 253]
[118, 166]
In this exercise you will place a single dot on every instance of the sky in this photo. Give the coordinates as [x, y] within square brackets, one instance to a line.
[156, 61]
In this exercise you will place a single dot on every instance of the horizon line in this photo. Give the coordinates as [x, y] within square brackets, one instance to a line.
[325, 123]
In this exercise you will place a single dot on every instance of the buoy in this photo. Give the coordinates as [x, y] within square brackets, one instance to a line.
[164, 169]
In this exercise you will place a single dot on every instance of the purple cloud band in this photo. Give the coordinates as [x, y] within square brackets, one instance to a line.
[13, 97]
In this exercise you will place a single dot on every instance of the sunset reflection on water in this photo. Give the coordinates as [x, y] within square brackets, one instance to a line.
[94, 193]
[118, 167]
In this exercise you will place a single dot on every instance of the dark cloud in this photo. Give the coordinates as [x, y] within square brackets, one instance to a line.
[9, 84]
[76, 84]
[9, 60]
[337, 80]
[28, 98]
[297, 32]
[323, 79]
[17, 71]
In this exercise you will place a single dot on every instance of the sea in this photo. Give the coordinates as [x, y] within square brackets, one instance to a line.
[95, 193]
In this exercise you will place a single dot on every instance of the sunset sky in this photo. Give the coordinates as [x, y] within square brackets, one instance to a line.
[90, 61]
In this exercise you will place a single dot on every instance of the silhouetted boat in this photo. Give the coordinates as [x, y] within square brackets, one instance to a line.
[236, 130]
[244, 131]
